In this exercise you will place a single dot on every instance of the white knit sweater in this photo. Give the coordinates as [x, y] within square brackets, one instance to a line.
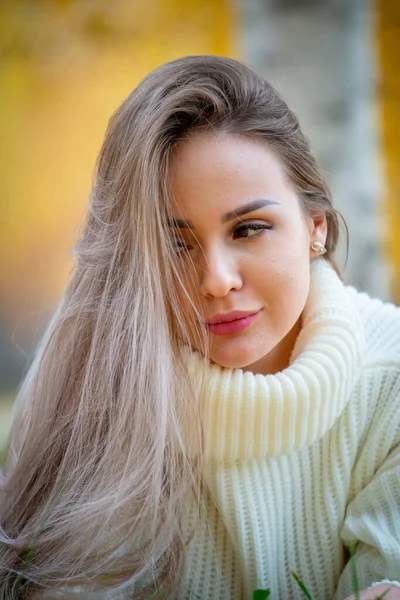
[300, 463]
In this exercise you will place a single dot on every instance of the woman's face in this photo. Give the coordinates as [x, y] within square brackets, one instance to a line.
[239, 220]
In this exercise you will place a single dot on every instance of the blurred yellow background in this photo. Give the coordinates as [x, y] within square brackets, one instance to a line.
[388, 55]
[67, 64]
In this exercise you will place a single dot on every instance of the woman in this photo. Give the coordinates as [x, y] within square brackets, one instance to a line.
[210, 406]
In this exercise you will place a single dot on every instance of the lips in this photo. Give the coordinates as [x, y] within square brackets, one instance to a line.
[229, 317]
[230, 323]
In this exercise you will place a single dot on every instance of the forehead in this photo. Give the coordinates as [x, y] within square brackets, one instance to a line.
[217, 172]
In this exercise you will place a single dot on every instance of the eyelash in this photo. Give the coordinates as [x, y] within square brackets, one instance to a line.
[260, 227]
[252, 227]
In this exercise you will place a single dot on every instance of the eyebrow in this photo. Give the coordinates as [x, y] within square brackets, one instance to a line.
[239, 212]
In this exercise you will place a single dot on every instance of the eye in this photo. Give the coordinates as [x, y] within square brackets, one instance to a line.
[247, 230]
[181, 246]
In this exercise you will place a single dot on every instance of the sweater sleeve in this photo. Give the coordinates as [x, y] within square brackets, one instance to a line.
[372, 521]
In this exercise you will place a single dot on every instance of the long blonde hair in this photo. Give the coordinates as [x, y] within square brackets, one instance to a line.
[96, 472]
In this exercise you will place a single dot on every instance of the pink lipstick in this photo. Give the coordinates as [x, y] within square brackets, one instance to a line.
[230, 323]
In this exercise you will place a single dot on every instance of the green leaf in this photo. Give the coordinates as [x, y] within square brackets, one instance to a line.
[261, 594]
[354, 577]
[301, 585]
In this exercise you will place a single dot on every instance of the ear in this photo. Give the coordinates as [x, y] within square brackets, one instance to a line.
[318, 228]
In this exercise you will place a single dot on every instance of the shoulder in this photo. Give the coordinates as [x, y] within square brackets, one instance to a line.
[377, 394]
[381, 324]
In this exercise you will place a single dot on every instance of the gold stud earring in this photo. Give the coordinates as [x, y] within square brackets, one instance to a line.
[318, 248]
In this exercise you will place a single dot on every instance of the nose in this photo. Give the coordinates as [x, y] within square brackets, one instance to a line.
[219, 274]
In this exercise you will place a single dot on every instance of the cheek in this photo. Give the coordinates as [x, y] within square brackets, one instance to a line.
[283, 278]
[283, 256]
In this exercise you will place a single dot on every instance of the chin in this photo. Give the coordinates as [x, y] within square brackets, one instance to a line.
[236, 360]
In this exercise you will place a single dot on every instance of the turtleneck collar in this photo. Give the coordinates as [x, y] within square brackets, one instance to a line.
[253, 416]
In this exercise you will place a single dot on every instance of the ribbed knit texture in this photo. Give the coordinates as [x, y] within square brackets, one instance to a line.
[302, 462]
